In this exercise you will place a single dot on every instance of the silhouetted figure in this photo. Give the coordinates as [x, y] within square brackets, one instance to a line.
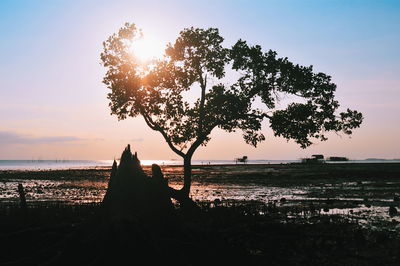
[22, 196]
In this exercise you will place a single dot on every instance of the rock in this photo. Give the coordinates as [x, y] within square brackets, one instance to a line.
[392, 211]
[217, 202]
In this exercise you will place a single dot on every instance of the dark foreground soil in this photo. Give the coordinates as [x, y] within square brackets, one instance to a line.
[80, 234]
[54, 234]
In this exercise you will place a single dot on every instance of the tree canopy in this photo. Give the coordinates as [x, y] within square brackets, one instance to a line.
[199, 61]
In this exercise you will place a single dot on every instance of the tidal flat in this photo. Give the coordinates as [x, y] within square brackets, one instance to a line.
[363, 192]
[276, 214]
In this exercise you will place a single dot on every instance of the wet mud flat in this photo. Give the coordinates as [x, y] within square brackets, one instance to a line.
[363, 191]
[250, 215]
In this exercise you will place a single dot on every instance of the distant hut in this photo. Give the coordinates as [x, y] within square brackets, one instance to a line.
[315, 159]
[241, 160]
[318, 156]
[337, 159]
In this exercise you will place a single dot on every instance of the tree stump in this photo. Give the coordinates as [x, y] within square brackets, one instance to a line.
[131, 192]
[22, 197]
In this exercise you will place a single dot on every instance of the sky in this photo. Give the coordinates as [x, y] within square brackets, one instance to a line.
[53, 103]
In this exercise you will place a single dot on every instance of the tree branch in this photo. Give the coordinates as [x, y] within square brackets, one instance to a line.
[199, 140]
[262, 116]
[203, 85]
[194, 146]
[156, 127]
[149, 122]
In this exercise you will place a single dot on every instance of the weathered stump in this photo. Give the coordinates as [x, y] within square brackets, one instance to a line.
[22, 196]
[131, 192]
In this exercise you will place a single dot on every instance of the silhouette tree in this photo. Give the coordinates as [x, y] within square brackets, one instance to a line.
[197, 62]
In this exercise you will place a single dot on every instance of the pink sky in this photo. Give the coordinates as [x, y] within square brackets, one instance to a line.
[53, 104]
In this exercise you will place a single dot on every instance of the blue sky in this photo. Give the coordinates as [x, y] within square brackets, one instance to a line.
[53, 104]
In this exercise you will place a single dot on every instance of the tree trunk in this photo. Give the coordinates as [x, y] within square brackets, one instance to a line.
[187, 204]
[187, 175]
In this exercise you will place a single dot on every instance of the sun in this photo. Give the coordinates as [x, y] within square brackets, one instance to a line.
[147, 48]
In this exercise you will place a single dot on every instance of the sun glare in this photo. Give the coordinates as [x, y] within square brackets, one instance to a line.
[147, 48]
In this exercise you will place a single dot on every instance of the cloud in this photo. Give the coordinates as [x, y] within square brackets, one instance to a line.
[7, 137]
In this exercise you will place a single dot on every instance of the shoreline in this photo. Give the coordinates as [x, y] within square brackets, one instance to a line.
[350, 163]
[53, 166]
[366, 169]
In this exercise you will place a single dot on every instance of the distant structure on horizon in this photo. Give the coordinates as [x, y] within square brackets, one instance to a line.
[319, 158]
[338, 159]
[315, 159]
[241, 160]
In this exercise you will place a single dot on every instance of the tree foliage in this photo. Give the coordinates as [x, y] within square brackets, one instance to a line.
[198, 60]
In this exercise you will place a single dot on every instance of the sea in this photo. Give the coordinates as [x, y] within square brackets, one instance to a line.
[81, 164]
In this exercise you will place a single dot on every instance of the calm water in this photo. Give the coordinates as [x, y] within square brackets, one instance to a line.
[76, 164]
[73, 164]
